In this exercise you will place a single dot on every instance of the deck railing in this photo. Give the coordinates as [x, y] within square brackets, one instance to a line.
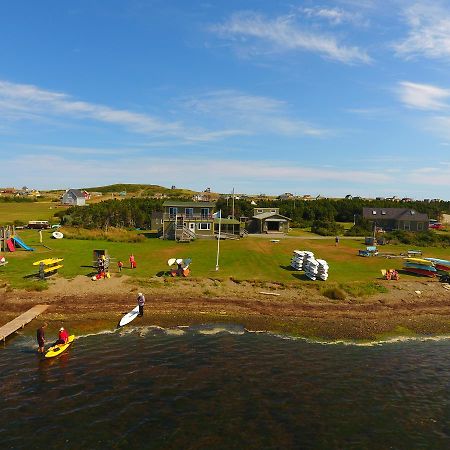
[199, 217]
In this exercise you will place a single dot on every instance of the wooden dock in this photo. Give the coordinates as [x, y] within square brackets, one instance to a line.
[21, 321]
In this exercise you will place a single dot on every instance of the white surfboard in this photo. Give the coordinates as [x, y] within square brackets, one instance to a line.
[171, 261]
[127, 318]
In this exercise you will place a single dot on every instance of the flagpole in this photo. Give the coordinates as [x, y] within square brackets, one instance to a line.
[218, 240]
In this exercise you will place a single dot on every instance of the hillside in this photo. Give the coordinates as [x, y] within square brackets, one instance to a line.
[140, 190]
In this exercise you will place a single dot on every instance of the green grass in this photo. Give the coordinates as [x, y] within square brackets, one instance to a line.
[11, 211]
[255, 259]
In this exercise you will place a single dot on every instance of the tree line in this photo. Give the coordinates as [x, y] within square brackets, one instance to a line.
[322, 213]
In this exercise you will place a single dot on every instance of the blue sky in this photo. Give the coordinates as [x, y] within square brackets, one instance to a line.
[308, 97]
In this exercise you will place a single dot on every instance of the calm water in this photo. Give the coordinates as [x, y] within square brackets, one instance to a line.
[204, 388]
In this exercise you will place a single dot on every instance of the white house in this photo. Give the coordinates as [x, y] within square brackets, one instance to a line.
[73, 197]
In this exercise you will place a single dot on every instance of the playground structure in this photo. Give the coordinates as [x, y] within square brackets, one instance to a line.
[9, 240]
[101, 262]
[48, 267]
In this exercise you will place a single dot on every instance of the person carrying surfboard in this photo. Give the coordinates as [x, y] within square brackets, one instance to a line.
[141, 303]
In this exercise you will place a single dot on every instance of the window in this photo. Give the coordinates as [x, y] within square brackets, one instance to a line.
[374, 213]
[189, 212]
[273, 210]
[419, 226]
[406, 226]
[173, 211]
[383, 213]
[204, 226]
[205, 212]
[259, 211]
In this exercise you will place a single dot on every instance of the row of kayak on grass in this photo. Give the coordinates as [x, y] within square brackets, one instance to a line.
[429, 267]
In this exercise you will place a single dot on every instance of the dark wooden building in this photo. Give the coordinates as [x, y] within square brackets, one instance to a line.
[390, 219]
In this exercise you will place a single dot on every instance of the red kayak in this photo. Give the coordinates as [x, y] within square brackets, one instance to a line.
[426, 273]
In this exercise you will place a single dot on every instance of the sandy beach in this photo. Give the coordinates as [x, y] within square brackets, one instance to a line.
[409, 308]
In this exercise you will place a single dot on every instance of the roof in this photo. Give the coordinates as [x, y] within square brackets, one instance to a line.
[394, 214]
[266, 215]
[189, 204]
[227, 221]
[76, 192]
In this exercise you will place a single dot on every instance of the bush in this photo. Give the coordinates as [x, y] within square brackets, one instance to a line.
[335, 293]
[112, 235]
[427, 238]
[326, 228]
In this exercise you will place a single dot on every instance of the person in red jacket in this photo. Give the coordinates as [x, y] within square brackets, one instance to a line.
[63, 337]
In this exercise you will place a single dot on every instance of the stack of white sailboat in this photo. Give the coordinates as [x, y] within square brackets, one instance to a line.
[314, 268]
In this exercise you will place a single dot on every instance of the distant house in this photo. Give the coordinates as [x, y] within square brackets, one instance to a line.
[285, 196]
[268, 220]
[407, 199]
[201, 197]
[73, 197]
[396, 219]
[86, 194]
[160, 195]
[185, 221]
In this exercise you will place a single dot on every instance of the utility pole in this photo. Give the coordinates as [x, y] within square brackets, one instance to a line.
[232, 196]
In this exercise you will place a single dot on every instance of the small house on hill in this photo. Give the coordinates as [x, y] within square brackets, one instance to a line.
[268, 220]
[396, 219]
[73, 197]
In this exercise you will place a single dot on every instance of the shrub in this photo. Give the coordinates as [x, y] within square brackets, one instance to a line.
[334, 293]
[112, 235]
[327, 228]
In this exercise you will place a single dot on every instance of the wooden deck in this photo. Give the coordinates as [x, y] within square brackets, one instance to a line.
[21, 321]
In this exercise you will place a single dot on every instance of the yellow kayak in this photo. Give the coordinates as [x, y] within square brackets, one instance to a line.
[58, 349]
[424, 262]
[48, 261]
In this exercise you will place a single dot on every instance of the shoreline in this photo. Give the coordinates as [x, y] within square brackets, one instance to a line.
[298, 311]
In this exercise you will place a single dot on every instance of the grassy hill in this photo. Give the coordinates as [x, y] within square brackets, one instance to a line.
[140, 190]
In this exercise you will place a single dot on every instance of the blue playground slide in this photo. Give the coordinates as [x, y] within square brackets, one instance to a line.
[19, 241]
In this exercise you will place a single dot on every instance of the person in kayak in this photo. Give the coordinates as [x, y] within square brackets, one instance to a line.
[40, 335]
[63, 337]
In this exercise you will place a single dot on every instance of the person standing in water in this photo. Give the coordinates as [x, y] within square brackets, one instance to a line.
[40, 335]
[141, 303]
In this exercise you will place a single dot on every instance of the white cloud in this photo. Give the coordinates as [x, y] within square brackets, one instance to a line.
[19, 101]
[335, 16]
[256, 114]
[422, 96]
[429, 31]
[167, 170]
[284, 34]
[247, 114]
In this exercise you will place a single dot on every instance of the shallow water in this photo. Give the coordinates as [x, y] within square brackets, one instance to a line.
[215, 387]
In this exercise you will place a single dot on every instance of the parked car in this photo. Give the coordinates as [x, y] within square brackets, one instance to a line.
[436, 226]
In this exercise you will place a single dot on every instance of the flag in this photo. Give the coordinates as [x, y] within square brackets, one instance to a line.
[217, 215]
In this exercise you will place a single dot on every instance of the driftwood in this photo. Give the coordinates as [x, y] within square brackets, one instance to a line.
[269, 293]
